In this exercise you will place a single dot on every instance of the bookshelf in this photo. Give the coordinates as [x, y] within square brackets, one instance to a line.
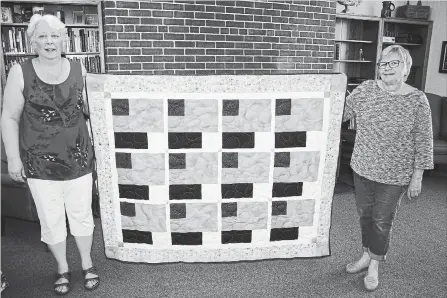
[356, 47]
[84, 28]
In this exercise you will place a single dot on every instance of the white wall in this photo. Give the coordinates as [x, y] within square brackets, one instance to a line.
[436, 82]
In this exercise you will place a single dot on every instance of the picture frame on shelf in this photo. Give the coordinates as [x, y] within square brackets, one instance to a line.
[443, 60]
[91, 19]
[6, 14]
[78, 17]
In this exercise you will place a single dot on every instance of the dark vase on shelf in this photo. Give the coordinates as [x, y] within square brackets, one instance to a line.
[387, 8]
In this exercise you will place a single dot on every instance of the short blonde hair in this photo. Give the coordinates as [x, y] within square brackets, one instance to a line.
[53, 21]
[404, 55]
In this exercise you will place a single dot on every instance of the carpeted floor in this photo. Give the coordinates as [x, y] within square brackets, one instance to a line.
[416, 264]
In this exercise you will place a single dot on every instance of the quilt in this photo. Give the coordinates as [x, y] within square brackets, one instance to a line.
[216, 168]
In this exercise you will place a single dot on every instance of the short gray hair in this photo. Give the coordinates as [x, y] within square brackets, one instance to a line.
[52, 20]
[404, 55]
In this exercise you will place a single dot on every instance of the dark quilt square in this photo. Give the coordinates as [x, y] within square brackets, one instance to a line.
[230, 107]
[290, 139]
[135, 236]
[282, 234]
[193, 238]
[282, 159]
[237, 190]
[120, 107]
[177, 161]
[229, 209]
[187, 140]
[236, 236]
[123, 160]
[279, 208]
[283, 107]
[235, 140]
[132, 140]
[127, 209]
[185, 192]
[287, 189]
[176, 107]
[135, 192]
[178, 211]
[229, 160]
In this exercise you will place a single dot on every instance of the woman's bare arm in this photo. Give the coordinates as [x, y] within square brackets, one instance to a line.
[13, 102]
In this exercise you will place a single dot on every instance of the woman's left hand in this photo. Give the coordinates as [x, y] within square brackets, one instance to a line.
[414, 189]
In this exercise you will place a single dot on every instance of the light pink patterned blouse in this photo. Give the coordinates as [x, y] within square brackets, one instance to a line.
[394, 133]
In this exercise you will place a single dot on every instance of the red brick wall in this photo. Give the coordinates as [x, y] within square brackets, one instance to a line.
[219, 37]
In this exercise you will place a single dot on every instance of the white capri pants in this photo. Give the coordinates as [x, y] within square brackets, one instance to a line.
[54, 198]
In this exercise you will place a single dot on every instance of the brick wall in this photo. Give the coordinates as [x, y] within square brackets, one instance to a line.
[219, 37]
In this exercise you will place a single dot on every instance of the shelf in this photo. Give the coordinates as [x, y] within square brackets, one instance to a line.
[404, 43]
[354, 41]
[354, 61]
[357, 17]
[66, 25]
[407, 21]
[68, 54]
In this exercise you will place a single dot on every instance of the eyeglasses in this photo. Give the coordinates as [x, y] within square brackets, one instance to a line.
[392, 64]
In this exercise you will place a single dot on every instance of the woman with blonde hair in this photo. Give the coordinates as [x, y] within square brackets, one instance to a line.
[393, 147]
[47, 144]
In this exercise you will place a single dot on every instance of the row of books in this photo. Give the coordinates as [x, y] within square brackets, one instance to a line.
[15, 40]
[22, 13]
[92, 63]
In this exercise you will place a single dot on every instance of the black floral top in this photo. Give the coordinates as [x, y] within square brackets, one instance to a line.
[54, 140]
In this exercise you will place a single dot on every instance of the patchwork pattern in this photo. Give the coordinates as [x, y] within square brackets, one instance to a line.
[197, 176]
[237, 165]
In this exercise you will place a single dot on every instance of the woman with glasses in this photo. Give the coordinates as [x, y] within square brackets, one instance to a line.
[47, 144]
[393, 147]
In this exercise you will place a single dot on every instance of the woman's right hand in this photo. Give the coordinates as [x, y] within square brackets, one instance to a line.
[16, 170]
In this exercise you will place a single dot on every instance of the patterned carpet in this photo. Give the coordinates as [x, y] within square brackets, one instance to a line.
[416, 265]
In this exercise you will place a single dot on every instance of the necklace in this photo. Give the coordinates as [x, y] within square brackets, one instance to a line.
[54, 77]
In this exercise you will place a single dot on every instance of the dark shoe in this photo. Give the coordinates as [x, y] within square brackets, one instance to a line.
[57, 287]
[87, 281]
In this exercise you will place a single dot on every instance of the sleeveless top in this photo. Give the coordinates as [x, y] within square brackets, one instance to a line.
[53, 136]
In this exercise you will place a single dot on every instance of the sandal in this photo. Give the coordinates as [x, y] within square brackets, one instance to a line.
[91, 270]
[5, 283]
[66, 276]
